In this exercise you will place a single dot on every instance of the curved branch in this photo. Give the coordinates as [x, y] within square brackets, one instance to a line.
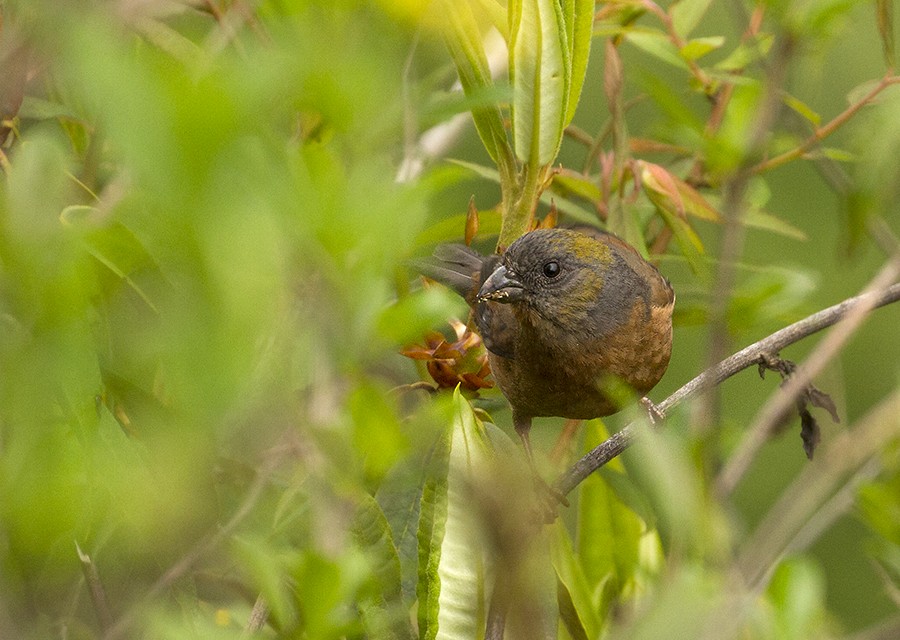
[746, 357]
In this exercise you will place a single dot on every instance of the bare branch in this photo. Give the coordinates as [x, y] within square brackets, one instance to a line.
[774, 411]
[746, 357]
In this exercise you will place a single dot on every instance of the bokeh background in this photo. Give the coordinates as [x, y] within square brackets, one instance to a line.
[204, 292]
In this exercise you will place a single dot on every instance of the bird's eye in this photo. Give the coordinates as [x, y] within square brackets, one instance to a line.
[551, 269]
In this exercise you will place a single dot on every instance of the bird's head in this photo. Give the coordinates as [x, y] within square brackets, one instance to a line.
[557, 273]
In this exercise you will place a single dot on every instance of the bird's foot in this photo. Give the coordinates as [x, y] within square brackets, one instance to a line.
[548, 500]
[654, 413]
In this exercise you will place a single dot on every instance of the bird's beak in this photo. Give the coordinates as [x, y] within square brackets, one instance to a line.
[501, 286]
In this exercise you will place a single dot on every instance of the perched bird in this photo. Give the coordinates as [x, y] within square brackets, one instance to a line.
[566, 318]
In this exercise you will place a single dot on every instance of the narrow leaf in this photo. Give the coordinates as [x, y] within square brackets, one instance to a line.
[657, 44]
[747, 53]
[563, 204]
[688, 242]
[567, 181]
[759, 219]
[580, 36]
[539, 73]
[699, 47]
[686, 14]
[803, 109]
[463, 39]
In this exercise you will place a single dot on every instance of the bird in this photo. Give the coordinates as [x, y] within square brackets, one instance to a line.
[569, 319]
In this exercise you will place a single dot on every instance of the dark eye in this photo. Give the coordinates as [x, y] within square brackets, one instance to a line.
[551, 269]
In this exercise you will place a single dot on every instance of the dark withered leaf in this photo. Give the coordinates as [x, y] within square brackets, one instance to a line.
[818, 398]
[809, 432]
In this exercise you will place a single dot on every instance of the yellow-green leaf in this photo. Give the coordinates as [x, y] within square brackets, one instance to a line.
[699, 47]
[539, 73]
[803, 109]
[464, 42]
[579, 27]
[452, 553]
[686, 14]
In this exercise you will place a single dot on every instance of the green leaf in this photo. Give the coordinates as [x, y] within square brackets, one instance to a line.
[759, 219]
[539, 73]
[577, 609]
[496, 13]
[686, 14]
[666, 189]
[567, 181]
[452, 554]
[884, 13]
[464, 41]
[563, 204]
[746, 53]
[384, 612]
[699, 47]
[688, 242]
[803, 109]
[609, 529]
[657, 44]
[579, 27]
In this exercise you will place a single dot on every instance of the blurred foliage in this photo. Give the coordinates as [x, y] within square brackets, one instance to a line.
[204, 296]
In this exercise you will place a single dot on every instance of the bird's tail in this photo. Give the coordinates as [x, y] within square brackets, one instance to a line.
[456, 266]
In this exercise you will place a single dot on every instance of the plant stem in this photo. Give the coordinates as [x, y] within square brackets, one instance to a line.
[520, 204]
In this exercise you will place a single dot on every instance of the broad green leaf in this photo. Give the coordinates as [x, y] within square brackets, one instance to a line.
[577, 608]
[699, 47]
[539, 73]
[884, 13]
[579, 27]
[464, 41]
[452, 554]
[608, 532]
[657, 44]
[803, 109]
[384, 612]
[686, 14]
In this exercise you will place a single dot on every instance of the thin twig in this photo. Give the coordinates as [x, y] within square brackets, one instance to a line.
[746, 357]
[784, 399]
[259, 615]
[827, 129]
[95, 588]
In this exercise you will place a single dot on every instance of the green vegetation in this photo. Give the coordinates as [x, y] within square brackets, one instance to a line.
[207, 426]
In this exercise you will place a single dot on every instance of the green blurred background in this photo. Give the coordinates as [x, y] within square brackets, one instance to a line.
[201, 246]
